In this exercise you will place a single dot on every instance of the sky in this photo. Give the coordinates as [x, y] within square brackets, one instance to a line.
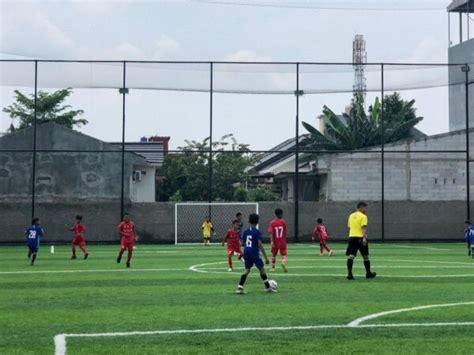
[207, 30]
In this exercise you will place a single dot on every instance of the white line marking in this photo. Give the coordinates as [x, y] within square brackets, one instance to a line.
[358, 321]
[83, 271]
[345, 267]
[60, 339]
[417, 247]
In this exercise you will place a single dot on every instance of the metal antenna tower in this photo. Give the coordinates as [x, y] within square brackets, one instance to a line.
[359, 60]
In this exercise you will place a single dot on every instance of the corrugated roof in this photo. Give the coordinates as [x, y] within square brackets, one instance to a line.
[461, 6]
[152, 152]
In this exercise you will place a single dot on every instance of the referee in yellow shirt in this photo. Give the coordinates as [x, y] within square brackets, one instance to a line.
[357, 224]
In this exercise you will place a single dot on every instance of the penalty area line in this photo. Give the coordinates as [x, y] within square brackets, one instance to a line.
[60, 342]
[83, 271]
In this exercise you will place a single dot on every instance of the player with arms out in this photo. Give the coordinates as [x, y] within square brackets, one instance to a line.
[321, 233]
[79, 240]
[207, 230]
[129, 236]
[357, 224]
[232, 238]
[252, 242]
[33, 235]
[278, 231]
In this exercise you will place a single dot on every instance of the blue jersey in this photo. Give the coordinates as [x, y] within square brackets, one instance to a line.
[469, 236]
[250, 238]
[33, 234]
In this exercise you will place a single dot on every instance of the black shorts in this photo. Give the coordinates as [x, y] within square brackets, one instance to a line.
[355, 245]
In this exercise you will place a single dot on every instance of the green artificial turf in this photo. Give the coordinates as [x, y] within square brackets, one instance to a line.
[160, 292]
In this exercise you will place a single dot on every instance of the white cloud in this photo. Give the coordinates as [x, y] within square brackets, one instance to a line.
[246, 55]
[166, 48]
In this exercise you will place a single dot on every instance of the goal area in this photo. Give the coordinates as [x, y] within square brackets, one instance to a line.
[189, 217]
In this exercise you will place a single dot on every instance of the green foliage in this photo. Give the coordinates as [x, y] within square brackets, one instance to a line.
[188, 172]
[240, 194]
[50, 108]
[359, 129]
[261, 194]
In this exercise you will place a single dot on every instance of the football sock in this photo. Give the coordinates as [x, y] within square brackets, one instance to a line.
[33, 259]
[243, 278]
[73, 251]
[350, 262]
[229, 258]
[84, 250]
[265, 280]
[129, 256]
[321, 249]
[327, 248]
[367, 266]
[273, 261]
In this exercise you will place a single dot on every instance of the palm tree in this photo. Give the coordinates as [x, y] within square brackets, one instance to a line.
[358, 129]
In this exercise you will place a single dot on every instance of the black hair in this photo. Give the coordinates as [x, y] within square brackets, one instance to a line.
[319, 220]
[253, 218]
[235, 221]
[79, 217]
[467, 222]
[238, 214]
[361, 204]
[34, 220]
[279, 212]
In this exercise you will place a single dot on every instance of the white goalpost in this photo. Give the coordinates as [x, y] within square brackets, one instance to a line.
[189, 217]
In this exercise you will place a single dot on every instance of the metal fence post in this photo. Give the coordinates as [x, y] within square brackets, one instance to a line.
[210, 171]
[123, 92]
[382, 125]
[297, 152]
[465, 68]
[35, 116]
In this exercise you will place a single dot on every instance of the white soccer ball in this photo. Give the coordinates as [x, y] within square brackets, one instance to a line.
[273, 284]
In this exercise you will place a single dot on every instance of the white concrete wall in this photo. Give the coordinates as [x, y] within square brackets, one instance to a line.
[144, 190]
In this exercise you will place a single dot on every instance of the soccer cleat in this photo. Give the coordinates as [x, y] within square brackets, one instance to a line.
[29, 256]
[32, 264]
[86, 255]
[331, 253]
[283, 266]
[371, 275]
[119, 259]
[128, 265]
[321, 254]
[229, 269]
[273, 268]
[73, 257]
[270, 290]
[350, 277]
[240, 290]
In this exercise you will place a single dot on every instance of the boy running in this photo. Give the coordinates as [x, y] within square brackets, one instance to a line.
[128, 234]
[252, 241]
[207, 229]
[321, 233]
[232, 238]
[469, 236]
[33, 234]
[278, 231]
[79, 239]
[357, 224]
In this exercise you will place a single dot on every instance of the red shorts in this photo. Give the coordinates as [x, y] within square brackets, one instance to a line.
[323, 241]
[79, 240]
[127, 243]
[231, 249]
[279, 248]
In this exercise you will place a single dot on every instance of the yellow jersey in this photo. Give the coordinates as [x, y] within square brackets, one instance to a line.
[206, 229]
[356, 222]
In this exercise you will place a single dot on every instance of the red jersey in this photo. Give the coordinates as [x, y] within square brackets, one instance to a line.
[127, 230]
[320, 231]
[232, 238]
[278, 230]
[79, 230]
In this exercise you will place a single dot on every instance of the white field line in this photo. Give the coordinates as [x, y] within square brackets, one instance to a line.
[84, 271]
[201, 268]
[345, 267]
[61, 345]
[358, 321]
[416, 247]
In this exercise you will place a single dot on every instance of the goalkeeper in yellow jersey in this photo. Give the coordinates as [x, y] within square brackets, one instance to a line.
[207, 230]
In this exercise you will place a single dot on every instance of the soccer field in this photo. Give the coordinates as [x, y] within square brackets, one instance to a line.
[181, 300]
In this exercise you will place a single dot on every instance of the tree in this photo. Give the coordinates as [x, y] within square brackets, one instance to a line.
[359, 129]
[187, 174]
[49, 108]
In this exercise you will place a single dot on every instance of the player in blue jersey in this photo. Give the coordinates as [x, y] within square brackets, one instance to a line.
[252, 242]
[33, 234]
[469, 235]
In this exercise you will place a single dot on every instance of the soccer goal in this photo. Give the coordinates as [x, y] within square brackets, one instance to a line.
[189, 217]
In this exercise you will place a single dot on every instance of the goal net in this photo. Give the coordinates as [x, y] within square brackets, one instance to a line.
[189, 217]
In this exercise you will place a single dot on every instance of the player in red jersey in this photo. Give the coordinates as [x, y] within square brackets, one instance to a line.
[127, 231]
[278, 231]
[320, 232]
[232, 238]
[79, 240]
